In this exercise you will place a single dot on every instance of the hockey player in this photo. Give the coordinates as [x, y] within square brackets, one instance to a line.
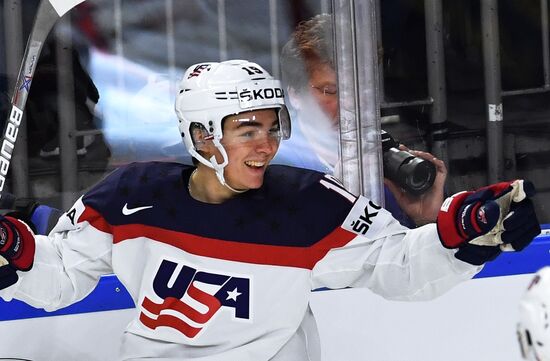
[220, 258]
[533, 332]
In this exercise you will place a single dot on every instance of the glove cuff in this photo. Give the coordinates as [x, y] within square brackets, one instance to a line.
[448, 230]
[23, 258]
[477, 255]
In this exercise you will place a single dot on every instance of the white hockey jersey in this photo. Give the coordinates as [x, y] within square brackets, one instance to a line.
[231, 281]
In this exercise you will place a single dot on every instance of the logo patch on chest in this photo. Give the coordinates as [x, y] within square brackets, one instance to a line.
[191, 297]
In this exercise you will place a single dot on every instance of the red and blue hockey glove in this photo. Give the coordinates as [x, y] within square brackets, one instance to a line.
[496, 218]
[16, 244]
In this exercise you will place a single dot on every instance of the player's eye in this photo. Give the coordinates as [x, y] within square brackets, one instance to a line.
[275, 131]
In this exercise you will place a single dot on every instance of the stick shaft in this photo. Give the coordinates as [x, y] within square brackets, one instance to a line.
[45, 19]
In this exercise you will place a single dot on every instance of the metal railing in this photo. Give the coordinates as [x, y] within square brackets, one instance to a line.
[435, 69]
[356, 65]
[493, 87]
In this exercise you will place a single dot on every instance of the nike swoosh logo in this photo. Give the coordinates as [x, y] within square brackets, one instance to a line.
[127, 211]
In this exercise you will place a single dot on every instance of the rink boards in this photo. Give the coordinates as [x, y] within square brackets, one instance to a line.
[354, 324]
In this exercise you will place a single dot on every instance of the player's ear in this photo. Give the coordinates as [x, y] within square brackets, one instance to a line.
[202, 139]
[199, 135]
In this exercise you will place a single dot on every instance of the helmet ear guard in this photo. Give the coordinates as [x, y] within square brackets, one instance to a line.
[199, 135]
[533, 328]
[209, 92]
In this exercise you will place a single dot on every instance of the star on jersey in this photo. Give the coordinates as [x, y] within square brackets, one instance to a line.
[233, 295]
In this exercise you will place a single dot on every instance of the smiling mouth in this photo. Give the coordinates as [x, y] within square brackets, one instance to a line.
[254, 164]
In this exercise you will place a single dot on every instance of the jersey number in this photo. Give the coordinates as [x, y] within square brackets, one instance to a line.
[334, 184]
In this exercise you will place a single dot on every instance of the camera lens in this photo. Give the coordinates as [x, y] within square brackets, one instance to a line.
[413, 174]
[422, 175]
[419, 177]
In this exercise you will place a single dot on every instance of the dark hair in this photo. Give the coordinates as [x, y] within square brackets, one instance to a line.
[310, 43]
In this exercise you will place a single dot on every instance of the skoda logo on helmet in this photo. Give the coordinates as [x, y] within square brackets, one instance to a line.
[263, 93]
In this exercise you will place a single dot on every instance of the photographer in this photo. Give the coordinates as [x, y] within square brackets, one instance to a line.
[307, 64]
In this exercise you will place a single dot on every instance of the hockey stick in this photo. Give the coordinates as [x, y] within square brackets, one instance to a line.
[49, 11]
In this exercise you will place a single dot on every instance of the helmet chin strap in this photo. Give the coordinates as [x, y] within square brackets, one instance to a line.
[218, 167]
[224, 183]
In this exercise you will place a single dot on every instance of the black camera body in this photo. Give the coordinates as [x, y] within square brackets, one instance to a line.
[415, 175]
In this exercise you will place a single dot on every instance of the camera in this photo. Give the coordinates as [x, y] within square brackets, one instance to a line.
[415, 175]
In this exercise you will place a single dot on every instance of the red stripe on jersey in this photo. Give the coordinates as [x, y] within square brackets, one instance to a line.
[301, 257]
[95, 219]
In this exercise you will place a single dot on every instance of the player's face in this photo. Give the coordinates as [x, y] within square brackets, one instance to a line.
[323, 87]
[251, 140]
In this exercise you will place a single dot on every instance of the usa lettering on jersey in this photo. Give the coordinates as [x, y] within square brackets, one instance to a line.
[191, 298]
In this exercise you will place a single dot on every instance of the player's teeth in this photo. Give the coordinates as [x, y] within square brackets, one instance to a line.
[252, 163]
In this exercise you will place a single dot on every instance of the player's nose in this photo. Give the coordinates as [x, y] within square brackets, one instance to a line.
[267, 145]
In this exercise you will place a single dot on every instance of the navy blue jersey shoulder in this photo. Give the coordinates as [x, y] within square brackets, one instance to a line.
[292, 208]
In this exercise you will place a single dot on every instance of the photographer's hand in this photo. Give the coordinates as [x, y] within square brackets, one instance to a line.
[424, 208]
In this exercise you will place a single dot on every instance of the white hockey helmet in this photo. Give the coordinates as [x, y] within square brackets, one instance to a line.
[209, 92]
[534, 318]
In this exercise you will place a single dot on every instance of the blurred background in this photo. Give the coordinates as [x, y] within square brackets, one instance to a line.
[124, 58]
[467, 80]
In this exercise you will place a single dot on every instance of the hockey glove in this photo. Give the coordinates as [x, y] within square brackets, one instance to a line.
[496, 218]
[16, 244]
[8, 276]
